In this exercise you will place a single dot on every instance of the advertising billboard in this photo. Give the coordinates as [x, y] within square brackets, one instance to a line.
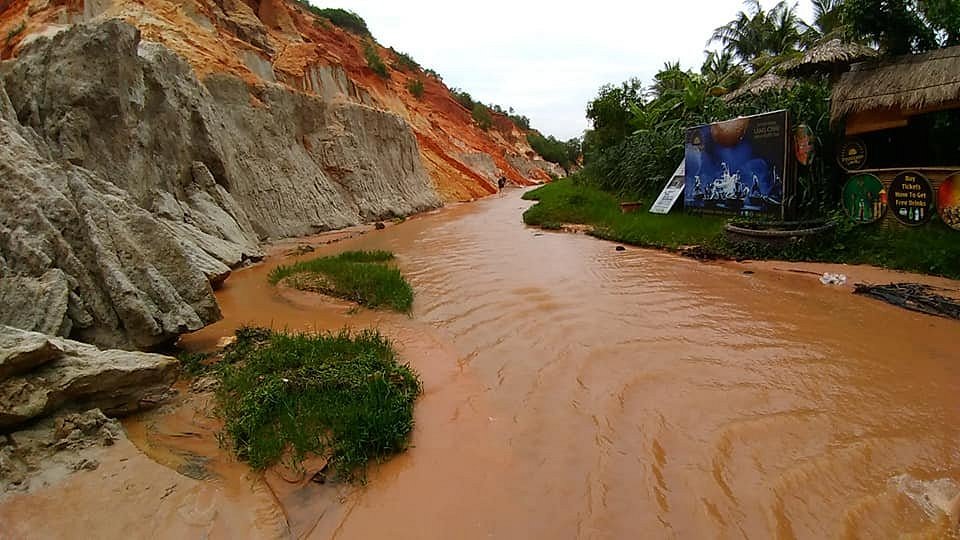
[738, 165]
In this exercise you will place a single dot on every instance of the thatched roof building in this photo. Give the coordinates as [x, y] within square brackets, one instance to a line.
[879, 95]
[770, 81]
[831, 57]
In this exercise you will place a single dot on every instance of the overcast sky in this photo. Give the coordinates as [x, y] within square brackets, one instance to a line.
[546, 59]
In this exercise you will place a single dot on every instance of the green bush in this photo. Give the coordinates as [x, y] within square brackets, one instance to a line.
[416, 88]
[405, 61]
[481, 115]
[342, 18]
[520, 121]
[374, 60]
[555, 151]
[341, 395]
[463, 98]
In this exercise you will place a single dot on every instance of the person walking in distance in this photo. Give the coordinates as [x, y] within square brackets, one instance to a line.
[501, 183]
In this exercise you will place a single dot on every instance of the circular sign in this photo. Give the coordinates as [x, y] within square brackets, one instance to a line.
[852, 155]
[948, 201]
[911, 198]
[864, 198]
[803, 140]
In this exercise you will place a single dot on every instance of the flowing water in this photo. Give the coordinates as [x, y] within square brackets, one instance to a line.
[576, 391]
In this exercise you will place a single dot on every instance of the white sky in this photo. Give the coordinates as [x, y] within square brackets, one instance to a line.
[547, 59]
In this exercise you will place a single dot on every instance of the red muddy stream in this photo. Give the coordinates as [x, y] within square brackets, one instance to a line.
[573, 391]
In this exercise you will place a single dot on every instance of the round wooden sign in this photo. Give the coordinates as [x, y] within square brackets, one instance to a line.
[948, 201]
[911, 198]
[852, 155]
[864, 198]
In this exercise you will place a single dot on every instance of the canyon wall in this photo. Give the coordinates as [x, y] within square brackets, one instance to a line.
[149, 147]
[128, 184]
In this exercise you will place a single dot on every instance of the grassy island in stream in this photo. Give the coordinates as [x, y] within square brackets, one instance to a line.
[364, 277]
[932, 249]
[340, 395]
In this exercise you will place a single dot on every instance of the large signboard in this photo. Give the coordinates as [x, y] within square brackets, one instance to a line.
[670, 193]
[738, 165]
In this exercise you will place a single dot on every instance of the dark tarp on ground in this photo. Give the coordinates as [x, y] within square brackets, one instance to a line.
[913, 296]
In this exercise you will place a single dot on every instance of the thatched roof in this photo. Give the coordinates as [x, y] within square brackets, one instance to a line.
[770, 81]
[907, 85]
[826, 58]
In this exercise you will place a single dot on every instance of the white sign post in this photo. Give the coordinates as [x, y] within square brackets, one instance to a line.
[671, 192]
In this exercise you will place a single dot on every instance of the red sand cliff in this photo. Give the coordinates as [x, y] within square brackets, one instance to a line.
[280, 41]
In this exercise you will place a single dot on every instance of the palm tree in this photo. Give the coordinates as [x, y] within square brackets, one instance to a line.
[744, 36]
[756, 36]
[721, 72]
[828, 23]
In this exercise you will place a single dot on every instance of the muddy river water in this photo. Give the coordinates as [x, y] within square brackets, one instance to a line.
[576, 391]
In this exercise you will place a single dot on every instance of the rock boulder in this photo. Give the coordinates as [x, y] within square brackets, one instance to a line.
[73, 376]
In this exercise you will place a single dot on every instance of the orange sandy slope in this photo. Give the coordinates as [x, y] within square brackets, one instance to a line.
[247, 38]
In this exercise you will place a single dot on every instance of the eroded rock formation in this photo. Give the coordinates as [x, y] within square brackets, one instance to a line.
[128, 183]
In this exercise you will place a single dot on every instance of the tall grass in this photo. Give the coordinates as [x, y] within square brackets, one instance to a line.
[359, 276]
[343, 395]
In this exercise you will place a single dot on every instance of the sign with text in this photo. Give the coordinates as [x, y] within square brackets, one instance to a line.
[670, 193]
[911, 198]
[852, 155]
[737, 165]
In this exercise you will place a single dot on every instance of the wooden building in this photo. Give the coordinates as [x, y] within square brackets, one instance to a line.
[903, 114]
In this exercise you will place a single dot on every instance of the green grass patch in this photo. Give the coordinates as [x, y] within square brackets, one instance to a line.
[194, 364]
[363, 277]
[931, 249]
[572, 201]
[341, 395]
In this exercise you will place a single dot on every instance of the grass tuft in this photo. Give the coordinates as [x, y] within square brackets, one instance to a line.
[341, 395]
[194, 364]
[359, 276]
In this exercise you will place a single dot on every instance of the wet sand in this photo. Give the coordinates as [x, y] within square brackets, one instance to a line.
[575, 391]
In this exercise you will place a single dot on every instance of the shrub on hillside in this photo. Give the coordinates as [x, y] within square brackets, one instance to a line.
[464, 98]
[562, 153]
[348, 20]
[416, 88]
[405, 61]
[481, 115]
[374, 60]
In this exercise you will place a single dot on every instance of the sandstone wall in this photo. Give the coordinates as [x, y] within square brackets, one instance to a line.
[126, 182]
